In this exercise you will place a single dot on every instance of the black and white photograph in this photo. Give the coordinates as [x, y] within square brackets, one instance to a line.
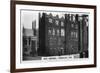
[52, 33]
[50, 36]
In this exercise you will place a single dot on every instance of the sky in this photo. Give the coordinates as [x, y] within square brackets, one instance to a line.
[27, 17]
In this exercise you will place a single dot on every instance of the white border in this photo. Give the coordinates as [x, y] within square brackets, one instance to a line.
[38, 64]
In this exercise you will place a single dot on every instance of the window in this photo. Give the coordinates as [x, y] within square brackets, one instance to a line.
[49, 32]
[50, 20]
[33, 45]
[74, 34]
[29, 40]
[72, 25]
[70, 17]
[57, 22]
[73, 18]
[62, 23]
[58, 32]
[76, 26]
[62, 32]
[53, 31]
[24, 41]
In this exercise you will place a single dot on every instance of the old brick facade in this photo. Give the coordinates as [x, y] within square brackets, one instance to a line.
[62, 35]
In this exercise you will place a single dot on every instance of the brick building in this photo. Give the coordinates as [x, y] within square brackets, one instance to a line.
[63, 35]
[72, 34]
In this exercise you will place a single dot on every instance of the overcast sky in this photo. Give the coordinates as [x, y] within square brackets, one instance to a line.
[27, 17]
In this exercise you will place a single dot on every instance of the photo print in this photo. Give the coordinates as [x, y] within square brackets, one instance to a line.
[51, 35]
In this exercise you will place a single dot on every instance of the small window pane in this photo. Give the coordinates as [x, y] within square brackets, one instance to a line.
[62, 23]
[76, 35]
[58, 32]
[72, 25]
[50, 20]
[62, 32]
[53, 32]
[57, 22]
[72, 34]
[49, 32]
[76, 26]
